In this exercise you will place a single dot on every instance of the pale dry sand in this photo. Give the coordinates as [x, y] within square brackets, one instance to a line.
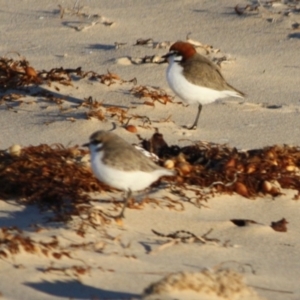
[124, 260]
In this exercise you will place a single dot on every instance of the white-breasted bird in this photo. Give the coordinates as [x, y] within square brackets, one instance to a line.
[195, 78]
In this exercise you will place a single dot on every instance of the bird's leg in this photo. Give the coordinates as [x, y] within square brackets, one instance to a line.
[121, 214]
[194, 126]
[127, 197]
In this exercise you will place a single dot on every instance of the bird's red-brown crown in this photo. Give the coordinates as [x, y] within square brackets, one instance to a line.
[186, 50]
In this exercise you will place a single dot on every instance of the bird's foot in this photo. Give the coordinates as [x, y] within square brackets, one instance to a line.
[120, 215]
[193, 127]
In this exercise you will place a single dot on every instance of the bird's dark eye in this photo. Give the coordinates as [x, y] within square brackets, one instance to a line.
[95, 142]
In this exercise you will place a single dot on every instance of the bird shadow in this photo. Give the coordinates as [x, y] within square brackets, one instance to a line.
[148, 246]
[104, 47]
[295, 35]
[199, 10]
[25, 217]
[53, 12]
[77, 290]
[55, 106]
[41, 93]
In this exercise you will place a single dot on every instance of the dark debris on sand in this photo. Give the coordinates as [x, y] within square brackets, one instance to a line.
[55, 177]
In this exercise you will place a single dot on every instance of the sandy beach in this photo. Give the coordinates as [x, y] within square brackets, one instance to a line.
[70, 68]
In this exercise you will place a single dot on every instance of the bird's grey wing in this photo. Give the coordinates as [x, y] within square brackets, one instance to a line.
[128, 157]
[205, 73]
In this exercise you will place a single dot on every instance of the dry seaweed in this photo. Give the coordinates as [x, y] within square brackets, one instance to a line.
[51, 176]
[87, 19]
[17, 76]
[150, 43]
[56, 177]
[280, 225]
[155, 94]
[19, 73]
[270, 11]
[13, 241]
[187, 236]
[16, 73]
[224, 169]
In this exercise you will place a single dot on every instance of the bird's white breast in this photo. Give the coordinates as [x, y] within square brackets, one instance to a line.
[124, 180]
[189, 92]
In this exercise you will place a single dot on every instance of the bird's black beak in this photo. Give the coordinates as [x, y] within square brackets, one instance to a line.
[85, 145]
[165, 58]
[166, 55]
